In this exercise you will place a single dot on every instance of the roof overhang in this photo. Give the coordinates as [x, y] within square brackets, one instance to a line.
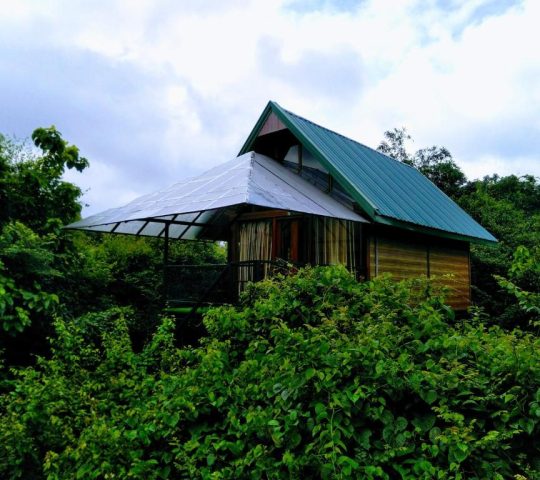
[203, 207]
[412, 227]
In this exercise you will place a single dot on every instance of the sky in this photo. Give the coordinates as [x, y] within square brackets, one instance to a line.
[154, 91]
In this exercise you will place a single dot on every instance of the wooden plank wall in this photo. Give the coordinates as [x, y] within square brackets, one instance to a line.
[448, 260]
[407, 257]
[402, 259]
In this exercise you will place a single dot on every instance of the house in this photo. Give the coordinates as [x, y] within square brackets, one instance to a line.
[307, 195]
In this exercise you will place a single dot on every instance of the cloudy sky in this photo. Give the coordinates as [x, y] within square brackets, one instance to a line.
[153, 91]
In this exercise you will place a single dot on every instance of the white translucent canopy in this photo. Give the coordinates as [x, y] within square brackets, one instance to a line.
[198, 206]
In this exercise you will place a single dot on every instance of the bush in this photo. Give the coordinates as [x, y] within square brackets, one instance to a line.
[314, 376]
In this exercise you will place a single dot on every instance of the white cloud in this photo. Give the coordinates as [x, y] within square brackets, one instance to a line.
[489, 164]
[159, 90]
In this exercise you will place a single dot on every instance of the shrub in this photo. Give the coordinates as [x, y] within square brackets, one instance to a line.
[313, 376]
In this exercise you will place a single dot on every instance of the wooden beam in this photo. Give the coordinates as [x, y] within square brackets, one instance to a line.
[294, 241]
[275, 238]
[165, 261]
[263, 214]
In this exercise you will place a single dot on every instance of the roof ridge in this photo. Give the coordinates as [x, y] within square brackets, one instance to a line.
[250, 174]
[344, 136]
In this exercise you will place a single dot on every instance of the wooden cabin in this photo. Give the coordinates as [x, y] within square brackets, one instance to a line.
[302, 194]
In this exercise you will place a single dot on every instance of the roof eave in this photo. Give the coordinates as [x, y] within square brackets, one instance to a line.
[432, 231]
[253, 135]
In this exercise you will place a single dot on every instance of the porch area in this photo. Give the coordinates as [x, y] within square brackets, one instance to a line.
[194, 286]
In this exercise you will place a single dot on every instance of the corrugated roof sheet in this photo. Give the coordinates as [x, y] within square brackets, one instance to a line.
[251, 179]
[387, 189]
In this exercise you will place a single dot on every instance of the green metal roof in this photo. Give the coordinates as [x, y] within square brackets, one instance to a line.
[390, 192]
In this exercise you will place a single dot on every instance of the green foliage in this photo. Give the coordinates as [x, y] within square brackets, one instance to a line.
[135, 273]
[58, 154]
[394, 145]
[525, 268]
[437, 164]
[25, 269]
[31, 186]
[314, 376]
[35, 201]
[18, 304]
[45, 270]
[507, 207]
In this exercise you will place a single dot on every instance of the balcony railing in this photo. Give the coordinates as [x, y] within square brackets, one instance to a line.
[190, 287]
[214, 284]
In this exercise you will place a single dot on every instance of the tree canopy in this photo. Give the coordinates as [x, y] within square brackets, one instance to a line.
[32, 190]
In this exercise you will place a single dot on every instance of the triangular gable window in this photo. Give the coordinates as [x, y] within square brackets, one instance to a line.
[272, 124]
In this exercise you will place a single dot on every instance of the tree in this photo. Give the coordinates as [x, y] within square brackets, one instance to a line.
[35, 202]
[434, 162]
[437, 164]
[32, 190]
[393, 145]
[509, 208]
[524, 282]
[46, 271]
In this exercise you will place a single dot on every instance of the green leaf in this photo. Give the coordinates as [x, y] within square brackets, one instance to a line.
[380, 367]
[83, 470]
[320, 409]
[424, 423]
[172, 420]
[429, 396]
[434, 434]
[508, 397]
[363, 438]
[400, 424]
[527, 424]
[164, 472]
[458, 452]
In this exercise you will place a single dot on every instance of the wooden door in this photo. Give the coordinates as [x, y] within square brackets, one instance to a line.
[286, 239]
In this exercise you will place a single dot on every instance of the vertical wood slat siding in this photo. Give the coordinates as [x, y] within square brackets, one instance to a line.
[411, 258]
[454, 262]
[401, 259]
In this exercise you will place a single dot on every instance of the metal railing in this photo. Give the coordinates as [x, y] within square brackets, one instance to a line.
[209, 284]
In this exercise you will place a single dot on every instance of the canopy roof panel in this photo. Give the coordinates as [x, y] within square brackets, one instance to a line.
[390, 192]
[211, 200]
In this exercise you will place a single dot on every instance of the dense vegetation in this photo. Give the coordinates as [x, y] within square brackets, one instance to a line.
[46, 272]
[314, 375]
